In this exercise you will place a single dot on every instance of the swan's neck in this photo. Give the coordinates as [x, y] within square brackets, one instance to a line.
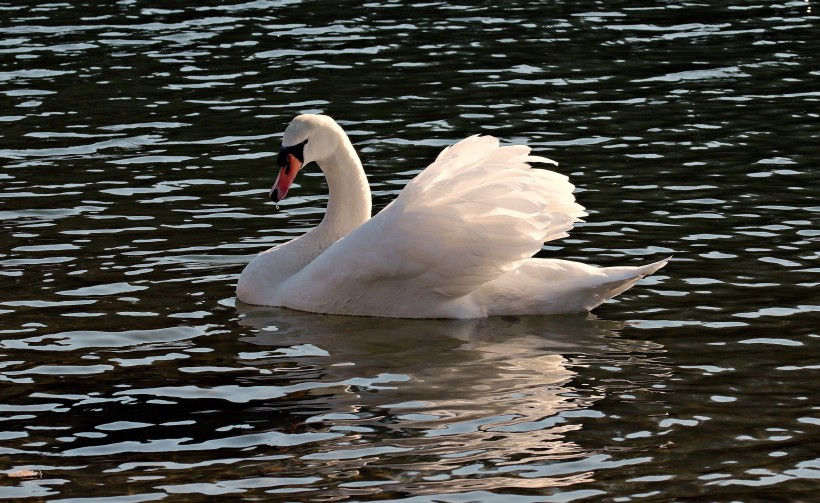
[349, 201]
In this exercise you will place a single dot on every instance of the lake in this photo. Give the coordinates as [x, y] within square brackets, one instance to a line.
[139, 143]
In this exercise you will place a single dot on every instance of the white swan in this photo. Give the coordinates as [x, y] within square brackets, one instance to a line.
[457, 242]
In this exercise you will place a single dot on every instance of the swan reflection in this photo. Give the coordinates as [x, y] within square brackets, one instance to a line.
[431, 397]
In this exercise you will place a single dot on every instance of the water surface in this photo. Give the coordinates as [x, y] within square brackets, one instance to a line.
[137, 148]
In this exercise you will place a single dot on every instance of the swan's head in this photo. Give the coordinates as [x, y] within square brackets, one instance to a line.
[307, 138]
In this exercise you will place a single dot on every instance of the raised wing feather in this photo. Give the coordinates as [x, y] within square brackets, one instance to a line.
[476, 212]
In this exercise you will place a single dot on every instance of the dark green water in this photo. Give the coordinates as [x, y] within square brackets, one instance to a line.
[137, 148]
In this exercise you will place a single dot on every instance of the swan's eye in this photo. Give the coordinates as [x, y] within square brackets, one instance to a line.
[297, 151]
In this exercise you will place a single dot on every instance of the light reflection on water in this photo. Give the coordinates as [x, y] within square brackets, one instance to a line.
[137, 149]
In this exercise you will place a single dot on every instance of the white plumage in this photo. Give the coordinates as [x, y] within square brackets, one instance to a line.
[457, 242]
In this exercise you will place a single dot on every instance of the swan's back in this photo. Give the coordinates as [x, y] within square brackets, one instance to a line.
[478, 212]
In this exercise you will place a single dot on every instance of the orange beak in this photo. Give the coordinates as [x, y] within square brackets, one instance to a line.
[285, 178]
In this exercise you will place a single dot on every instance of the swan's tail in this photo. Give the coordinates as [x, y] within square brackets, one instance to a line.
[621, 279]
[554, 286]
[643, 270]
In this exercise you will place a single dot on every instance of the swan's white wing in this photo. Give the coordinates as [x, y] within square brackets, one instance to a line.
[477, 212]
